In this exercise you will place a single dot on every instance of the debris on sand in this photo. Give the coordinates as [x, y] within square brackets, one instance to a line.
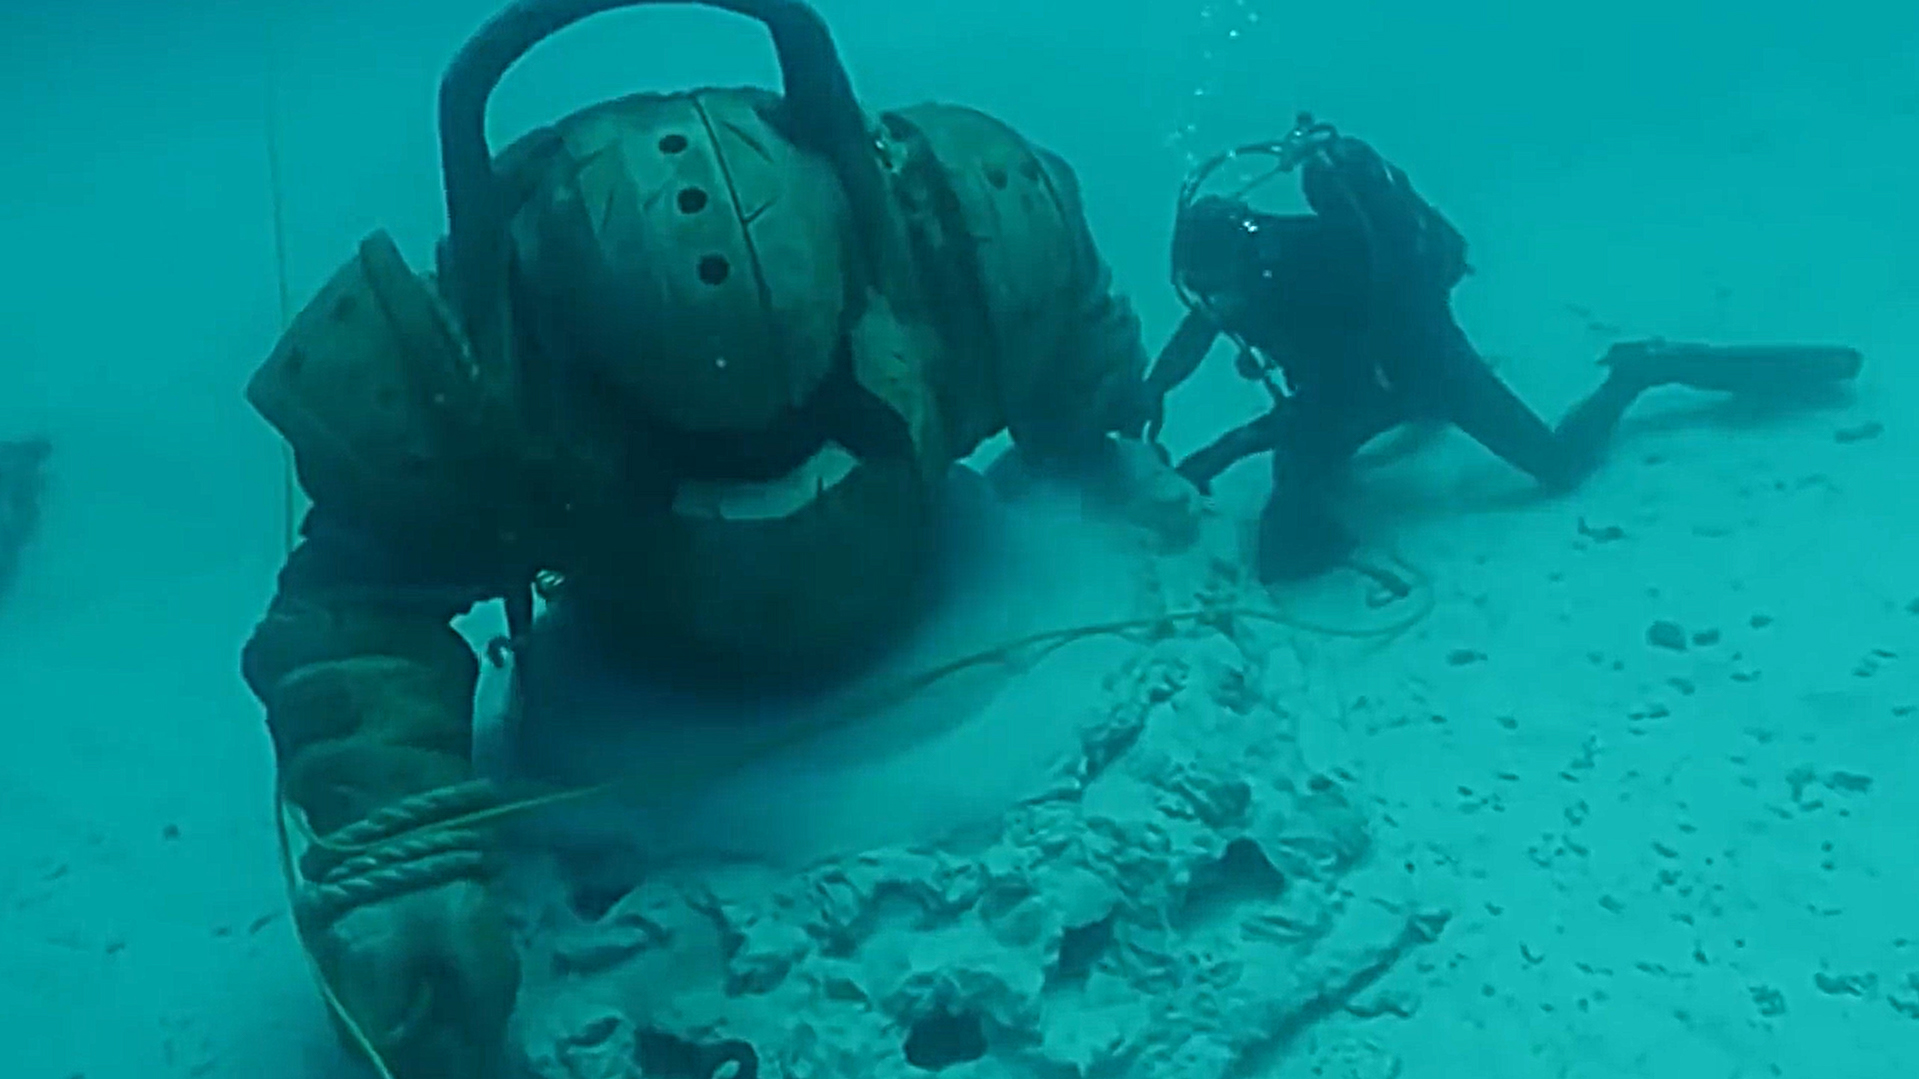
[1667, 635]
[22, 488]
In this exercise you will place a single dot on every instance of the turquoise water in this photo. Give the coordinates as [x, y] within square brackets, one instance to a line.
[1650, 861]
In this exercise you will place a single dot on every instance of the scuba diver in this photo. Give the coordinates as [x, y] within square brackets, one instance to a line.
[696, 363]
[1345, 315]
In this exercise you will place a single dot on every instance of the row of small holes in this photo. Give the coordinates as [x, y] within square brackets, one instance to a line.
[713, 268]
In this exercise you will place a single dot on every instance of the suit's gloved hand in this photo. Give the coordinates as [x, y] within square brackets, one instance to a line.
[429, 977]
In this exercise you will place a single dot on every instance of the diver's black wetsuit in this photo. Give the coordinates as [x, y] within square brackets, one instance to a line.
[1352, 305]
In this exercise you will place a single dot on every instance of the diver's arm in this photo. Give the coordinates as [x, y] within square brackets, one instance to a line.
[1204, 465]
[1177, 361]
[1071, 357]
[369, 702]
[1182, 353]
[368, 689]
[361, 673]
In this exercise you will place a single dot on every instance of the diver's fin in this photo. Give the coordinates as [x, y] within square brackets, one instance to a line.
[1733, 368]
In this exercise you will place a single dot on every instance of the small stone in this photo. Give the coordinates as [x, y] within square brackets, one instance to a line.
[1771, 1002]
[1462, 657]
[1601, 533]
[1846, 985]
[1860, 433]
[1669, 635]
[1705, 638]
[1761, 621]
[1398, 1003]
[1355, 1058]
[1905, 1000]
[1849, 782]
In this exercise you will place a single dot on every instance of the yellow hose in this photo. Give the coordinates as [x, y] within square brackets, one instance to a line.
[289, 484]
[907, 687]
[289, 513]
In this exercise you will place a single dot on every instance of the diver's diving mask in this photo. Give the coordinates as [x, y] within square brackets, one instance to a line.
[1217, 237]
[1201, 222]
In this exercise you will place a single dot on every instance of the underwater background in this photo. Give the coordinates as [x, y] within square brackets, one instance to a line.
[1651, 753]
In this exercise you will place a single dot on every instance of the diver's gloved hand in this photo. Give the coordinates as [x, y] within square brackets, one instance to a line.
[429, 977]
[1199, 472]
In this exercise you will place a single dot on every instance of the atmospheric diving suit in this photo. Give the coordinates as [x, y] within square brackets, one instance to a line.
[697, 361]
